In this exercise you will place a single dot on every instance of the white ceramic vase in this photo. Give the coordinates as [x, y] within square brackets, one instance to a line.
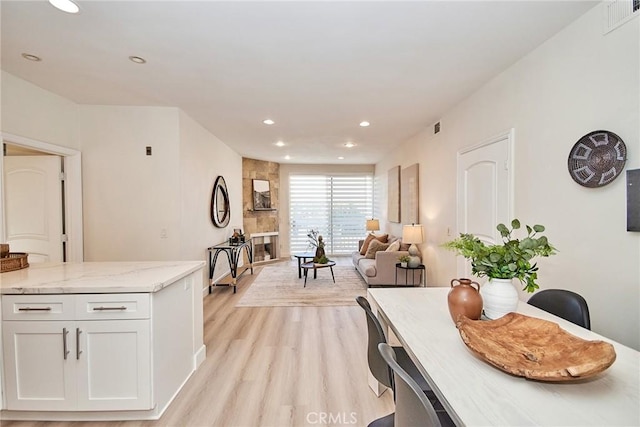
[499, 297]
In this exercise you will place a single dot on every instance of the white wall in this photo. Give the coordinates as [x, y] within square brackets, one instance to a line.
[129, 197]
[203, 157]
[576, 82]
[29, 111]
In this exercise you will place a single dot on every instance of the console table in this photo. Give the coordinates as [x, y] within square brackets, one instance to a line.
[233, 252]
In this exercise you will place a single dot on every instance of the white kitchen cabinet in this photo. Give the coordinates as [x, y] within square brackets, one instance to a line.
[37, 376]
[114, 366]
[134, 335]
[75, 364]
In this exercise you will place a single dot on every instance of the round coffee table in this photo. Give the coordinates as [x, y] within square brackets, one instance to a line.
[302, 257]
[312, 265]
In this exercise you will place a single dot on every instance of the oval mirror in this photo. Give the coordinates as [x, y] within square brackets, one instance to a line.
[220, 211]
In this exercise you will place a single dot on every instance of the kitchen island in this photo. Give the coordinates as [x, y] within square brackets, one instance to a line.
[99, 340]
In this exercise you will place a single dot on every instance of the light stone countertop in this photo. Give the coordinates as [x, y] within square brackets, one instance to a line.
[96, 277]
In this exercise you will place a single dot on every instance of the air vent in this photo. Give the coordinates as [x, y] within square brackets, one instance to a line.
[617, 12]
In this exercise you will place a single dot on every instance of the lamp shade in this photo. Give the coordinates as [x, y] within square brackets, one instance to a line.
[373, 225]
[413, 233]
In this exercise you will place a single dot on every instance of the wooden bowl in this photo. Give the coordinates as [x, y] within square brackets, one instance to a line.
[535, 348]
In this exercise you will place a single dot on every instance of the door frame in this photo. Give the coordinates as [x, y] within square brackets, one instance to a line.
[73, 191]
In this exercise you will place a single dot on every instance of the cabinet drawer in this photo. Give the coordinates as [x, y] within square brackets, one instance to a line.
[38, 307]
[112, 306]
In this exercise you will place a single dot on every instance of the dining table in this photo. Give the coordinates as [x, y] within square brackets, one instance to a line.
[475, 393]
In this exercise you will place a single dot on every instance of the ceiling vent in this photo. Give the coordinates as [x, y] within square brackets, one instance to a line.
[617, 12]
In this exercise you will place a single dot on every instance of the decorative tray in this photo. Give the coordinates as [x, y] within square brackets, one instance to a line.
[14, 261]
[535, 348]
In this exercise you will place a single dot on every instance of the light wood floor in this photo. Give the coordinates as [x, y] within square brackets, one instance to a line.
[272, 366]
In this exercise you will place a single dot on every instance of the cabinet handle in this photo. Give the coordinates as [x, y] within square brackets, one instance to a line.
[34, 309]
[65, 352]
[109, 308]
[78, 351]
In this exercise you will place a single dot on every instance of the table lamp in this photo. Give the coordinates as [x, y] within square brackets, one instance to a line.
[373, 225]
[413, 234]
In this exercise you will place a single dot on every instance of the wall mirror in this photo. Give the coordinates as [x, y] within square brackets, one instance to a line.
[261, 195]
[220, 209]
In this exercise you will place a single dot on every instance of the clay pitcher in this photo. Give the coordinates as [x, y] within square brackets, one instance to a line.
[464, 299]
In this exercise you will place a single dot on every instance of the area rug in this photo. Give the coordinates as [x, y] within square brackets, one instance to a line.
[279, 286]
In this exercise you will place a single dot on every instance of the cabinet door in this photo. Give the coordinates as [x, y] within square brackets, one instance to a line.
[114, 365]
[39, 367]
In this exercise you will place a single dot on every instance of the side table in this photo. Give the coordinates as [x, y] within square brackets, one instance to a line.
[423, 274]
[302, 258]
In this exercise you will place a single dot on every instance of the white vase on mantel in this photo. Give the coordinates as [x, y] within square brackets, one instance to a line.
[499, 297]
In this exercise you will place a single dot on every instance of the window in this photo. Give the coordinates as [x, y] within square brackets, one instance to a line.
[336, 206]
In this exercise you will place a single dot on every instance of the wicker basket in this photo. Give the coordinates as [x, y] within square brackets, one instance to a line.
[15, 261]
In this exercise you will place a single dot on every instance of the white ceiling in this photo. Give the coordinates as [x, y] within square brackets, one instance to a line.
[316, 68]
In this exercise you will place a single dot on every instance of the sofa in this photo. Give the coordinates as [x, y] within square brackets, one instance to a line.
[379, 269]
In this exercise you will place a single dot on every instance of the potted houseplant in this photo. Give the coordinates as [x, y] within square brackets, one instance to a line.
[501, 263]
[404, 259]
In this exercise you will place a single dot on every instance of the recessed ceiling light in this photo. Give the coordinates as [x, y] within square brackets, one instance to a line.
[280, 144]
[31, 57]
[364, 124]
[349, 144]
[287, 157]
[137, 59]
[65, 5]
[268, 122]
[341, 158]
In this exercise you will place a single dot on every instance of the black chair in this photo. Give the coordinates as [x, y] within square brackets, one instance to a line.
[413, 409]
[563, 303]
[379, 367]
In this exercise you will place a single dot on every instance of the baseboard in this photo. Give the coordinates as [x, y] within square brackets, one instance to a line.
[200, 356]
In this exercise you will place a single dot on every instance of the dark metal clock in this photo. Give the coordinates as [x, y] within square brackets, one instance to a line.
[597, 159]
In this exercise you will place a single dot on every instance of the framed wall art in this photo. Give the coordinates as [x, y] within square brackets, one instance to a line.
[393, 194]
[261, 195]
[409, 195]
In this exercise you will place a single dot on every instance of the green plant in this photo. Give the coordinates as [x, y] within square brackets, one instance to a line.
[404, 258]
[512, 259]
[323, 259]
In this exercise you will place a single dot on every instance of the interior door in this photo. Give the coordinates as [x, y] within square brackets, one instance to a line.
[33, 206]
[484, 191]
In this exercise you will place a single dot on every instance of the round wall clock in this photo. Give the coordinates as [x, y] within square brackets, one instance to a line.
[597, 159]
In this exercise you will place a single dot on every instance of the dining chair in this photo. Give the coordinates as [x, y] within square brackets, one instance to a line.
[563, 303]
[379, 367]
[412, 406]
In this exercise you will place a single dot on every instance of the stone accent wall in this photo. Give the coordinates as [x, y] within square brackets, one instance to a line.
[260, 221]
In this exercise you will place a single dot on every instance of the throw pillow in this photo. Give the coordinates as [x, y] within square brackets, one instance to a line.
[365, 245]
[383, 239]
[393, 247]
[375, 246]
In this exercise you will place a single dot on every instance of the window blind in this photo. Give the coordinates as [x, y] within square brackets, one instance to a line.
[337, 206]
